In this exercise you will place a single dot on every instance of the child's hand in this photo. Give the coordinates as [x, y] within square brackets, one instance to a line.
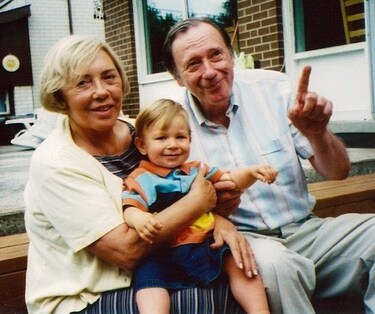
[148, 227]
[264, 173]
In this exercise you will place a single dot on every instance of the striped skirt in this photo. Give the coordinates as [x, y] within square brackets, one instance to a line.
[216, 299]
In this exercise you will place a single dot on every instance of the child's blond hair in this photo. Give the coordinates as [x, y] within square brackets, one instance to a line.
[162, 110]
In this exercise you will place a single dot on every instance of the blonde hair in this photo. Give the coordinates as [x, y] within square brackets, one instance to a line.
[66, 63]
[163, 110]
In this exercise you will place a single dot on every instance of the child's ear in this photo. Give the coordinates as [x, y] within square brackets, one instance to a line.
[140, 145]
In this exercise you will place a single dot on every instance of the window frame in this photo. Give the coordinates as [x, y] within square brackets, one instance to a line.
[140, 45]
[300, 34]
[290, 37]
[7, 103]
[294, 61]
[140, 35]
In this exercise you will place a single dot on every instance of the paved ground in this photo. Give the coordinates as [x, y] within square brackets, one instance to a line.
[14, 165]
[362, 159]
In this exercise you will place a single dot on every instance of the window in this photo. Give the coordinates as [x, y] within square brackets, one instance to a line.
[328, 23]
[160, 15]
[4, 102]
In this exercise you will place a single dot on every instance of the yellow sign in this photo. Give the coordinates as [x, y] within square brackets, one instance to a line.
[11, 63]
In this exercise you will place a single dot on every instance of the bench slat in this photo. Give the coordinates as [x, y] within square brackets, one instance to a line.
[352, 190]
[362, 207]
[13, 253]
[13, 239]
[13, 258]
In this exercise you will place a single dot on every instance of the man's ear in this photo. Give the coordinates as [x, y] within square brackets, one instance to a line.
[139, 143]
[178, 79]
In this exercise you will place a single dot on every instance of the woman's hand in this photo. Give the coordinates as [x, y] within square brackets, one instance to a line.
[202, 191]
[242, 254]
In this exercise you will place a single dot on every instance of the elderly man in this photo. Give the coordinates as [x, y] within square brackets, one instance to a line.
[255, 118]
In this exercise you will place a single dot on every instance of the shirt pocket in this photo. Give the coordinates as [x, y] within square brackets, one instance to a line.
[273, 146]
[280, 154]
[277, 144]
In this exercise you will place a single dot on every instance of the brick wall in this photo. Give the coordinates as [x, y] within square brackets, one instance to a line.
[260, 34]
[261, 31]
[119, 30]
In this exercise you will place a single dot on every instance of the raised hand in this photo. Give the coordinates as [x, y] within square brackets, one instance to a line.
[310, 115]
[311, 112]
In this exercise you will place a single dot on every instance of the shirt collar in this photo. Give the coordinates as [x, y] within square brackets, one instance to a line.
[232, 109]
[162, 171]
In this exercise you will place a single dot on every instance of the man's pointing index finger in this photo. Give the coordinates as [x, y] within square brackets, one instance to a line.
[303, 84]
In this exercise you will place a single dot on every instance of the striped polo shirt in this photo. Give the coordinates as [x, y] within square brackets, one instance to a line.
[153, 188]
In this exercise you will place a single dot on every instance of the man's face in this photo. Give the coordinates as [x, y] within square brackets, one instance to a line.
[204, 65]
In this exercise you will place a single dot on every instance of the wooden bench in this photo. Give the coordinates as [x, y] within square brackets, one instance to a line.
[13, 262]
[355, 194]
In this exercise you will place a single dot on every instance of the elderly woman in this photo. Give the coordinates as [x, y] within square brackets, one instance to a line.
[81, 252]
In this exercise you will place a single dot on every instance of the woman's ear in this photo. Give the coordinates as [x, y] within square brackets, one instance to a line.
[139, 143]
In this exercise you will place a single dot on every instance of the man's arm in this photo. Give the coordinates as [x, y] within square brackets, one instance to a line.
[330, 158]
[310, 115]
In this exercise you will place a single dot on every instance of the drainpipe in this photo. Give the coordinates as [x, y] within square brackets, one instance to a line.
[70, 17]
[370, 30]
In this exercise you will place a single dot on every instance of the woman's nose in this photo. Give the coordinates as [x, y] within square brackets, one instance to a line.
[99, 89]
